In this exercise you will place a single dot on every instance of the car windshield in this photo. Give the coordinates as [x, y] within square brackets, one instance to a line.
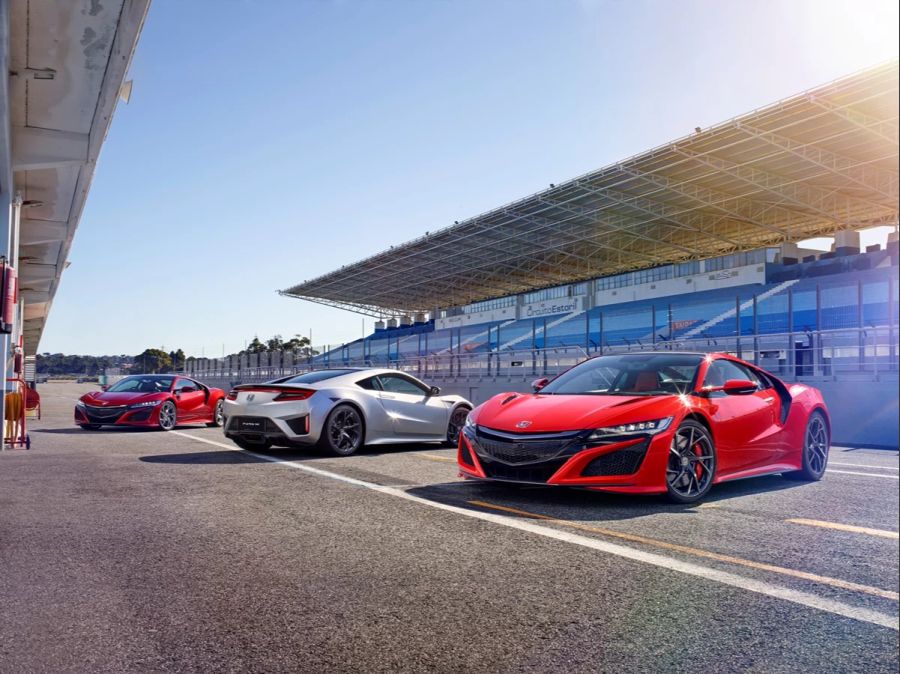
[629, 374]
[313, 377]
[142, 384]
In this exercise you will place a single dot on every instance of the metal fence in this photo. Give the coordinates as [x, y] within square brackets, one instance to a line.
[865, 353]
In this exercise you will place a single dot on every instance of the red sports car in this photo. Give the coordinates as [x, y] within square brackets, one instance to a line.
[151, 400]
[649, 423]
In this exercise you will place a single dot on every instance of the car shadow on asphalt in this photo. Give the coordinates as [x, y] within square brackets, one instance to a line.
[224, 456]
[313, 454]
[89, 431]
[273, 455]
[570, 504]
[106, 430]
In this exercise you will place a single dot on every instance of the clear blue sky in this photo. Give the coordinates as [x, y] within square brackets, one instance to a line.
[269, 142]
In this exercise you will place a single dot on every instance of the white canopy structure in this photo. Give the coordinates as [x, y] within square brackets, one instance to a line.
[811, 165]
[66, 62]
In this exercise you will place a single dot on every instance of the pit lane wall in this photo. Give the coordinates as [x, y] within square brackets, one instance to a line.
[863, 413]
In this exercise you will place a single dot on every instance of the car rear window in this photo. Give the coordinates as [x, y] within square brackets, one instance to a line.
[318, 375]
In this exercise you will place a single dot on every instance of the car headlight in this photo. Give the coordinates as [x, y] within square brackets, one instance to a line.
[79, 403]
[638, 428]
[469, 423]
[148, 403]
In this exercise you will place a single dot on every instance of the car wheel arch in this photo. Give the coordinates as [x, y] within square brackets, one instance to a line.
[820, 408]
[459, 404]
[702, 419]
[359, 411]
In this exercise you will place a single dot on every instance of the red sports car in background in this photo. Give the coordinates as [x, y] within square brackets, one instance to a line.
[648, 423]
[151, 400]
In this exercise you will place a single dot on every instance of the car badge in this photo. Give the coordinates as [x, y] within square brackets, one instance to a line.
[523, 424]
[250, 397]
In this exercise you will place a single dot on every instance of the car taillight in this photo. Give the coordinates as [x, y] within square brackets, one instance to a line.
[299, 394]
[232, 395]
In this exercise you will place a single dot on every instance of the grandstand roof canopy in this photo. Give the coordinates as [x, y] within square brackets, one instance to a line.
[810, 165]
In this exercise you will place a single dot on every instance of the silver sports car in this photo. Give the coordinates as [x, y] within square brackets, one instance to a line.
[342, 410]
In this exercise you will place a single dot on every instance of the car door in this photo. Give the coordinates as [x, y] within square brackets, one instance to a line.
[190, 399]
[414, 411]
[745, 425]
[379, 424]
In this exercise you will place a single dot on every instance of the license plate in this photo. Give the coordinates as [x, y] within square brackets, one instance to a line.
[251, 425]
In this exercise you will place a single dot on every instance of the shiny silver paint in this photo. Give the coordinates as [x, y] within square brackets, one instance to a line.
[389, 417]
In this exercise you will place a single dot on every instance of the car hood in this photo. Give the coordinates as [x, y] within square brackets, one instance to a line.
[107, 399]
[551, 413]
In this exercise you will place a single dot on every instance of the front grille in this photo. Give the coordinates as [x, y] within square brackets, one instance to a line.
[620, 462]
[104, 412]
[538, 472]
[523, 448]
[103, 415]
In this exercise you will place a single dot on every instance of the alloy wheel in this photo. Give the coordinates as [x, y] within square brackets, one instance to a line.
[457, 420]
[692, 462]
[345, 430]
[816, 445]
[167, 417]
[219, 416]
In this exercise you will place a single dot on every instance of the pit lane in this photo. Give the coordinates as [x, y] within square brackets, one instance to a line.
[142, 550]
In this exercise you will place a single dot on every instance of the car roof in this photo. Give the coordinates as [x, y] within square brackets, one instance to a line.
[355, 372]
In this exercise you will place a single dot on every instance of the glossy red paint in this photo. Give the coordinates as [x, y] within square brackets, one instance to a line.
[754, 433]
[194, 404]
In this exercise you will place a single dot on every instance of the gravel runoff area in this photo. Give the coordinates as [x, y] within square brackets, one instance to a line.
[150, 551]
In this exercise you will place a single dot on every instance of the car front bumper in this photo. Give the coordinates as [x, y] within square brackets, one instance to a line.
[631, 465]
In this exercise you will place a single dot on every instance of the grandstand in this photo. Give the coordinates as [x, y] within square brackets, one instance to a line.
[692, 245]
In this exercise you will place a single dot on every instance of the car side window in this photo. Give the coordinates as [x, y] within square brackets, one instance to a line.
[370, 384]
[185, 383]
[722, 370]
[393, 383]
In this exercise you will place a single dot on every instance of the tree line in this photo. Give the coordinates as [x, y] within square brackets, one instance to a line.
[154, 361]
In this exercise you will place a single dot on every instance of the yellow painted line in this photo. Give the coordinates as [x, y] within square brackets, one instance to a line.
[707, 506]
[881, 533]
[432, 457]
[696, 552]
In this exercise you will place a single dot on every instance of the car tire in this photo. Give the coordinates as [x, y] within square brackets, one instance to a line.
[691, 463]
[168, 416]
[816, 443]
[456, 423]
[90, 427]
[251, 446]
[218, 415]
[343, 432]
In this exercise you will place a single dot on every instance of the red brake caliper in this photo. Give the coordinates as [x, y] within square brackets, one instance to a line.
[698, 467]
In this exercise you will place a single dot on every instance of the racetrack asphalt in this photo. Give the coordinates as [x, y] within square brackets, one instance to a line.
[150, 551]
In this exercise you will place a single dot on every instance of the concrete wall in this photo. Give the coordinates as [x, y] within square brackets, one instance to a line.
[862, 412]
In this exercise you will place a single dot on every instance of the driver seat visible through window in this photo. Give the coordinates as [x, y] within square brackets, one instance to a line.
[646, 381]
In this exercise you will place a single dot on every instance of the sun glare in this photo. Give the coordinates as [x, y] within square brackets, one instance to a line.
[859, 33]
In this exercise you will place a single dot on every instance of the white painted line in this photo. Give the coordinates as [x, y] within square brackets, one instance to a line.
[760, 587]
[861, 465]
[855, 472]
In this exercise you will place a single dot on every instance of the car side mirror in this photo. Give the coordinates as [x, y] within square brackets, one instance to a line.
[188, 389]
[538, 384]
[736, 387]
[435, 391]
[104, 387]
